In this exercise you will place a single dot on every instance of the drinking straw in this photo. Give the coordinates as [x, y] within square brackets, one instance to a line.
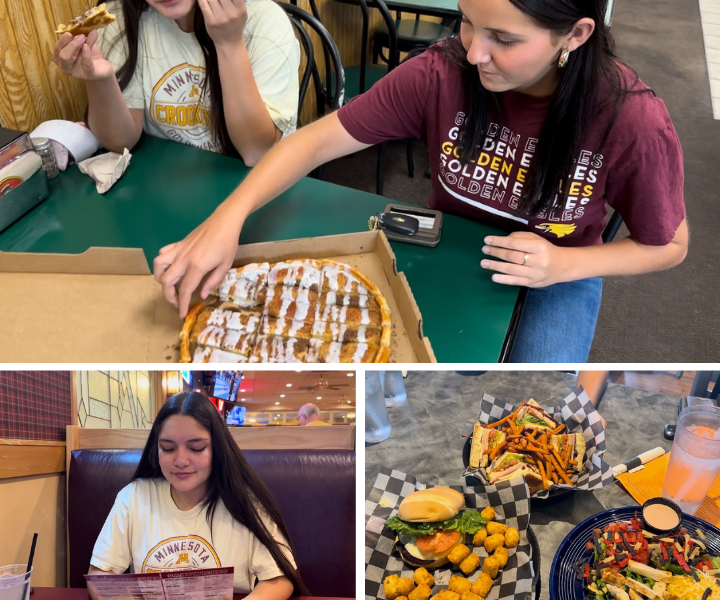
[29, 566]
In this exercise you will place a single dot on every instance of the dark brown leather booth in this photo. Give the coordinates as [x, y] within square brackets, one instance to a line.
[315, 490]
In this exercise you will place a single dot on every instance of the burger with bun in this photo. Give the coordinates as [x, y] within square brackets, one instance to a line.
[430, 523]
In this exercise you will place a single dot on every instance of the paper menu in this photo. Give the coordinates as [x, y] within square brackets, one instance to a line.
[200, 584]
[648, 483]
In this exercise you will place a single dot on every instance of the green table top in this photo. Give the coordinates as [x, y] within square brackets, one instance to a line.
[435, 8]
[169, 189]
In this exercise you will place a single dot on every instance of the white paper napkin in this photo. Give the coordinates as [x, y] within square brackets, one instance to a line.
[106, 169]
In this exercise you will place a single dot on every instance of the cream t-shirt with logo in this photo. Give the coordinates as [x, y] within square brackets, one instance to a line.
[170, 72]
[147, 531]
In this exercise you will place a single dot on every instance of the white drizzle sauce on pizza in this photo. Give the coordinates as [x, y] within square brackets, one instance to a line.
[293, 311]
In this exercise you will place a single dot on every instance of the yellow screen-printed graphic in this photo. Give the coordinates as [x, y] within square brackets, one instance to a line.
[179, 107]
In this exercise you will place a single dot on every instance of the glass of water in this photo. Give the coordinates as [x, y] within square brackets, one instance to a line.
[394, 388]
[377, 420]
[695, 457]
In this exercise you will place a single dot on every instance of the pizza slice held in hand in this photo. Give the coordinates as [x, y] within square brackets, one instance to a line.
[95, 18]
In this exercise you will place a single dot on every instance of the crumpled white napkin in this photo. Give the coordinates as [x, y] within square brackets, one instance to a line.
[106, 169]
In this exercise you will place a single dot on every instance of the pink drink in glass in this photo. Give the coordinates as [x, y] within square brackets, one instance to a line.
[695, 457]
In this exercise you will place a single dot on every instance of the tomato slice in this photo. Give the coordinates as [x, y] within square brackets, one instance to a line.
[439, 542]
[447, 540]
[429, 542]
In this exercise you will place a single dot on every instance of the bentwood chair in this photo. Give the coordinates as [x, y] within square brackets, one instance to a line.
[360, 78]
[329, 93]
[412, 34]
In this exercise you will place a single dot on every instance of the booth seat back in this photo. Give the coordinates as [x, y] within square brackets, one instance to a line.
[315, 490]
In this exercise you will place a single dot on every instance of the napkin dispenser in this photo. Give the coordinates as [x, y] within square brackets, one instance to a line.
[23, 185]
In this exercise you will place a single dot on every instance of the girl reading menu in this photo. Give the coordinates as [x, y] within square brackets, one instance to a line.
[195, 503]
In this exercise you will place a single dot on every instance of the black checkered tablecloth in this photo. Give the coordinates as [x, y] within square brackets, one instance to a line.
[579, 416]
[511, 501]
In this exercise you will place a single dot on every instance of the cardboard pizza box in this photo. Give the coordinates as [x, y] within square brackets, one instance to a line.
[105, 306]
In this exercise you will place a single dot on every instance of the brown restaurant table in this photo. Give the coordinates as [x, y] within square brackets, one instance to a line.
[49, 593]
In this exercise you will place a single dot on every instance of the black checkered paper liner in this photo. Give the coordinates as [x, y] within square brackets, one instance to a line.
[579, 416]
[511, 501]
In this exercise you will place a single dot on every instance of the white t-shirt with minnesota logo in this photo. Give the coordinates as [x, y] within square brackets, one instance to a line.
[145, 530]
[170, 72]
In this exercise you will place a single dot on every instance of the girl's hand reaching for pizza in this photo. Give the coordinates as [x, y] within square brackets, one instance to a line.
[225, 20]
[525, 259]
[80, 57]
[207, 252]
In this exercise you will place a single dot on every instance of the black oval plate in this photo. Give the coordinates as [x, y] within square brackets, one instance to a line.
[564, 585]
[553, 496]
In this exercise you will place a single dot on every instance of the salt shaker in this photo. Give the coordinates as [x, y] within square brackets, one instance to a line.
[43, 147]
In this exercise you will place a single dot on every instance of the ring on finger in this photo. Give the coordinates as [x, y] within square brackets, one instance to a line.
[525, 258]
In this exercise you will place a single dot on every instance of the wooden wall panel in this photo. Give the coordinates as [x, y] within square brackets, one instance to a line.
[32, 88]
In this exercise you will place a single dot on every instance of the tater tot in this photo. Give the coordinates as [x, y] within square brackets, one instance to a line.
[482, 585]
[447, 595]
[479, 537]
[470, 596]
[488, 512]
[458, 553]
[501, 554]
[491, 566]
[421, 592]
[512, 537]
[401, 598]
[405, 585]
[422, 575]
[390, 584]
[494, 527]
[494, 541]
[459, 584]
[469, 563]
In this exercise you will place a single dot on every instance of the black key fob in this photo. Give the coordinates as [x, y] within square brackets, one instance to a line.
[400, 224]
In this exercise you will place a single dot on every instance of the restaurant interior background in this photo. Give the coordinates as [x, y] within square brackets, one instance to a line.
[46, 414]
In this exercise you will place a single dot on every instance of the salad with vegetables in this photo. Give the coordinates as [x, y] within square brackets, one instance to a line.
[629, 563]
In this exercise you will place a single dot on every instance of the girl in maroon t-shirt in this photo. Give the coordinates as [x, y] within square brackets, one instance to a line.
[532, 124]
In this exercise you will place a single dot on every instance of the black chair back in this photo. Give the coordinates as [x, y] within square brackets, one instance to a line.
[390, 24]
[612, 227]
[332, 93]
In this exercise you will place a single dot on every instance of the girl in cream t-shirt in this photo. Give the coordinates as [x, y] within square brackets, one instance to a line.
[191, 468]
[148, 71]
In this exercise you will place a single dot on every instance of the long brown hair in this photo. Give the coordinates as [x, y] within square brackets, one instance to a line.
[132, 12]
[232, 480]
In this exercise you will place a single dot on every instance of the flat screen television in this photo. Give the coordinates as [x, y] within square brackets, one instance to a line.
[226, 385]
[236, 416]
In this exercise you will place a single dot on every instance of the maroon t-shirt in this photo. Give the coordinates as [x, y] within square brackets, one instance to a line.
[638, 171]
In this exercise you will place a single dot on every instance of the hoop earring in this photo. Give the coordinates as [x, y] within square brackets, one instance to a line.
[564, 56]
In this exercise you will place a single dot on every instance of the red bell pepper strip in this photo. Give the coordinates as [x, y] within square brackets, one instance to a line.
[681, 560]
[586, 575]
[664, 553]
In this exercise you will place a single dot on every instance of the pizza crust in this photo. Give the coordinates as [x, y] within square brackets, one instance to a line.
[279, 338]
[95, 18]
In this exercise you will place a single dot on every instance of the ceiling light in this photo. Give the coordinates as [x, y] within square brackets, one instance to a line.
[242, 390]
[242, 399]
[282, 395]
[252, 420]
[288, 385]
[350, 374]
[277, 403]
[318, 398]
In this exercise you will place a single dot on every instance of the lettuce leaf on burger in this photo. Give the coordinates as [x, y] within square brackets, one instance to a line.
[430, 523]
